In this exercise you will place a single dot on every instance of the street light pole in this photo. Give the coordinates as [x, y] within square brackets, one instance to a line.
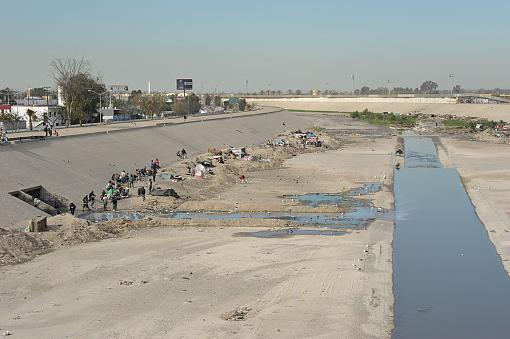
[100, 95]
[352, 77]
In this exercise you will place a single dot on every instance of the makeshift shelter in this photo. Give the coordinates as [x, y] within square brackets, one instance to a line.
[165, 192]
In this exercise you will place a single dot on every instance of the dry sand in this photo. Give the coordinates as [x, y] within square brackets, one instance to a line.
[485, 172]
[494, 112]
[184, 281]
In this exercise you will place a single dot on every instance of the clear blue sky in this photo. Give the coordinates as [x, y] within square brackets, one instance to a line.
[285, 43]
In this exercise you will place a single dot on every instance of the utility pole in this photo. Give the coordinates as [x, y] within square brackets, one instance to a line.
[352, 77]
[389, 88]
[246, 88]
[451, 79]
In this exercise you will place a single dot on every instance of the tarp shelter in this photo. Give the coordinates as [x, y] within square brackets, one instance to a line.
[165, 192]
[200, 170]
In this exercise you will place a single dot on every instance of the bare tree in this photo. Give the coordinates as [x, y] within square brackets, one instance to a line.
[65, 71]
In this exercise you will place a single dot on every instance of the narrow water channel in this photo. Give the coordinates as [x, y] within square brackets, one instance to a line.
[449, 281]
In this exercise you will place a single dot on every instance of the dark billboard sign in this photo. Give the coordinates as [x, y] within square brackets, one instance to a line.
[184, 84]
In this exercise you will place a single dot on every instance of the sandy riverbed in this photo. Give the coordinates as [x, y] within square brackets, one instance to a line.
[183, 281]
[485, 171]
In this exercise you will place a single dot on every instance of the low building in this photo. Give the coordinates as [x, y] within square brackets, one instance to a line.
[51, 114]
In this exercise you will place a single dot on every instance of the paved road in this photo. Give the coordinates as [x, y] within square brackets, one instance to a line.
[109, 127]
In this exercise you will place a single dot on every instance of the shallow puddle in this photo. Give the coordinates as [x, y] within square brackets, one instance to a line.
[359, 215]
[288, 233]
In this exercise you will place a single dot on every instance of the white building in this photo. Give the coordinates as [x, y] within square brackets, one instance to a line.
[53, 114]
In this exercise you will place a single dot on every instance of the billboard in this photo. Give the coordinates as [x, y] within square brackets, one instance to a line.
[184, 84]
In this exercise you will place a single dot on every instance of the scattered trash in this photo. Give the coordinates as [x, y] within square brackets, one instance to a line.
[238, 314]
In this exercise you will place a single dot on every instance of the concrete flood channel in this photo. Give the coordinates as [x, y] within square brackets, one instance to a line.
[358, 215]
[449, 281]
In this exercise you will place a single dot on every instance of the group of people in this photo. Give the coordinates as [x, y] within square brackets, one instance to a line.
[115, 188]
[49, 130]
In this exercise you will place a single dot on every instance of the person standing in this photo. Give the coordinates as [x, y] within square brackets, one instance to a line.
[114, 203]
[105, 202]
[154, 172]
[150, 186]
[141, 192]
[46, 129]
[131, 180]
[92, 199]
[72, 207]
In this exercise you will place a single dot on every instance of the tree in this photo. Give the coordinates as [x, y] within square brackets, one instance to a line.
[242, 104]
[217, 101]
[150, 104]
[32, 116]
[66, 72]
[457, 89]
[298, 92]
[207, 100]
[365, 90]
[181, 106]
[429, 87]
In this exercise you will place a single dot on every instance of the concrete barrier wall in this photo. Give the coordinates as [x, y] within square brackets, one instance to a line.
[398, 105]
[74, 166]
[416, 100]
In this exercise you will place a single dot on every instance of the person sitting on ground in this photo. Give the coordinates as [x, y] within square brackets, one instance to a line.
[184, 153]
[243, 179]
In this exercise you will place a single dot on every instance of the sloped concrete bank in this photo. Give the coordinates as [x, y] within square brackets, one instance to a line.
[72, 167]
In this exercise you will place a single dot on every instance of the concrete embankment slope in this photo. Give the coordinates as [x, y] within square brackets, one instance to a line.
[74, 166]
[398, 105]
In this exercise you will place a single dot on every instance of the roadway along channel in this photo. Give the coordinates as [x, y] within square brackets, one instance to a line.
[449, 281]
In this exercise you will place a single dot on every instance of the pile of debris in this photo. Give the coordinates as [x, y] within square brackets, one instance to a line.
[307, 138]
[17, 247]
[238, 314]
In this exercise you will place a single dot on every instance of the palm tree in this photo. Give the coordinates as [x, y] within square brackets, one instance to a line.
[31, 117]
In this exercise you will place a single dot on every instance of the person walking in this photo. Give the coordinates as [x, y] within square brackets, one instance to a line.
[86, 203]
[150, 186]
[154, 172]
[72, 207]
[141, 193]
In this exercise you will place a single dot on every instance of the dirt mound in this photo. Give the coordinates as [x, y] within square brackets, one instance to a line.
[17, 247]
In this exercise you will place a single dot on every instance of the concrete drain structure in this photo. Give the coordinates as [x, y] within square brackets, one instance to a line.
[42, 199]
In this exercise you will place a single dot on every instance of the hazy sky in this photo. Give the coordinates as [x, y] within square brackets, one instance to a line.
[285, 43]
